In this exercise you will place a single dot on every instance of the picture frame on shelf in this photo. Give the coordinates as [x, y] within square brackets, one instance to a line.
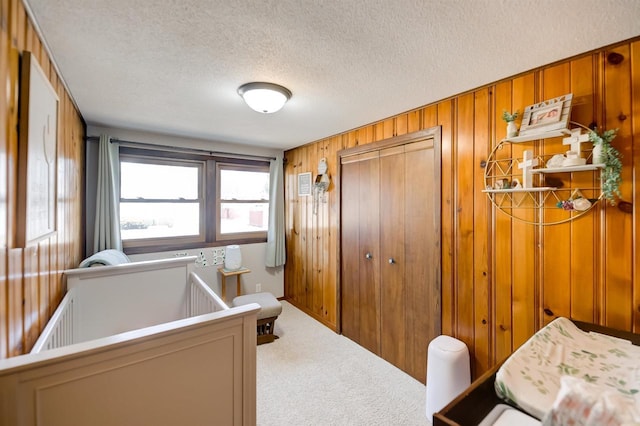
[546, 116]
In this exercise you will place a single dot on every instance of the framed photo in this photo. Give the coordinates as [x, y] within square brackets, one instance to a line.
[37, 154]
[546, 116]
[304, 184]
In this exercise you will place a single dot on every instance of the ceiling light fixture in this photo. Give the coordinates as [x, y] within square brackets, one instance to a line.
[264, 97]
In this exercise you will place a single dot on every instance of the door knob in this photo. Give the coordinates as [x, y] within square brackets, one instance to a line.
[368, 256]
[391, 261]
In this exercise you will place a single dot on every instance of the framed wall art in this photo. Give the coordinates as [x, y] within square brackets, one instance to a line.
[37, 154]
[546, 116]
[304, 184]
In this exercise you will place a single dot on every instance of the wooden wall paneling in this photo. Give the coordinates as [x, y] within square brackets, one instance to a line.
[619, 231]
[326, 234]
[362, 136]
[445, 119]
[388, 129]
[27, 33]
[422, 253]
[317, 220]
[4, 115]
[502, 240]
[429, 117]
[481, 221]
[530, 268]
[377, 131]
[414, 122]
[309, 240]
[368, 135]
[299, 232]
[635, 122]
[524, 241]
[44, 293]
[331, 295]
[401, 124]
[55, 278]
[556, 278]
[52, 267]
[14, 321]
[31, 278]
[13, 89]
[60, 240]
[5, 46]
[15, 299]
[584, 230]
[288, 219]
[350, 139]
[323, 247]
[353, 138]
[463, 209]
[304, 248]
[4, 312]
[31, 302]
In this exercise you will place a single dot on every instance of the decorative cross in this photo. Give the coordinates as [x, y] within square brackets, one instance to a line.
[527, 163]
[575, 140]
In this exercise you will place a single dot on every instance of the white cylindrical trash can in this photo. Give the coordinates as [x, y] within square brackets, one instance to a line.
[448, 372]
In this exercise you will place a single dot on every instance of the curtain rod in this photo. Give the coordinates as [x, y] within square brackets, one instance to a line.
[134, 144]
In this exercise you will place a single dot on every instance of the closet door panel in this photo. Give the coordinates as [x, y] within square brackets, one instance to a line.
[369, 231]
[392, 262]
[350, 249]
[422, 248]
[390, 283]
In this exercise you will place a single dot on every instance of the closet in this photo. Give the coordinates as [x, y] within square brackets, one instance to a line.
[390, 247]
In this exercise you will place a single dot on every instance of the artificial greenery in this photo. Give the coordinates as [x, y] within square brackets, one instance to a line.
[612, 173]
[506, 116]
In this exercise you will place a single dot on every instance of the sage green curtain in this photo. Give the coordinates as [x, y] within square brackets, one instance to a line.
[107, 224]
[276, 254]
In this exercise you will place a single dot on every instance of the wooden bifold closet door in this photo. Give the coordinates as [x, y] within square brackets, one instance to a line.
[390, 248]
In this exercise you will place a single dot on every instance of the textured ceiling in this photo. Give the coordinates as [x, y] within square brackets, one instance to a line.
[173, 66]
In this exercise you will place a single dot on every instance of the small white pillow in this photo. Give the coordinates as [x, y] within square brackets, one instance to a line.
[581, 403]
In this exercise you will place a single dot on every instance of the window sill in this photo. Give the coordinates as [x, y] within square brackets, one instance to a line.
[174, 247]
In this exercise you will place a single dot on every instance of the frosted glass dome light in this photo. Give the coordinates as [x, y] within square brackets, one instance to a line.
[264, 97]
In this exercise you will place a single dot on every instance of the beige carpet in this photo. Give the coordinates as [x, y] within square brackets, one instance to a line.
[312, 376]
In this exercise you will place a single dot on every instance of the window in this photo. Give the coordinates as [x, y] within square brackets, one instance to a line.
[175, 201]
[161, 199]
[243, 200]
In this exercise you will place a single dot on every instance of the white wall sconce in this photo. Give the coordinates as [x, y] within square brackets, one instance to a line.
[264, 97]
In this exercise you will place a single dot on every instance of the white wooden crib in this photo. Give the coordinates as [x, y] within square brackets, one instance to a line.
[138, 343]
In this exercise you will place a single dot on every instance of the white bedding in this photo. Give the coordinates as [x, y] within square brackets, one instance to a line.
[531, 376]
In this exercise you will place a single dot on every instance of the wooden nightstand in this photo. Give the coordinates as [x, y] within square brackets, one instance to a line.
[224, 273]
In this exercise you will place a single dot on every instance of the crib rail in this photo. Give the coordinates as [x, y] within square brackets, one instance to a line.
[202, 300]
[60, 328]
[64, 329]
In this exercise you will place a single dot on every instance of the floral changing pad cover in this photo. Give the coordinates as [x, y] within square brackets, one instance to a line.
[531, 376]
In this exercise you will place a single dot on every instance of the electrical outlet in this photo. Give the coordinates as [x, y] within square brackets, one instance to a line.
[258, 288]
